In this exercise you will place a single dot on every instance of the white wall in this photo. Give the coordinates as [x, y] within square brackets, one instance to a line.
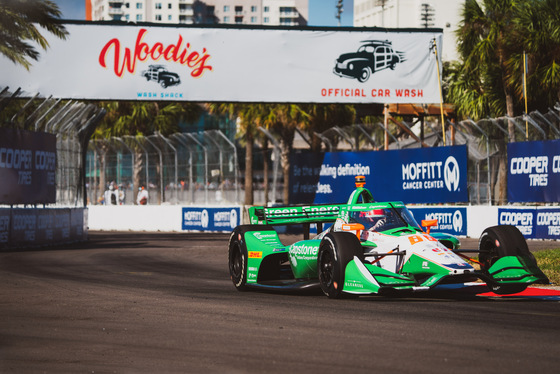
[168, 218]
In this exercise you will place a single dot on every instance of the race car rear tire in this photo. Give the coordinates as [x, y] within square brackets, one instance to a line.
[237, 254]
[500, 241]
[337, 249]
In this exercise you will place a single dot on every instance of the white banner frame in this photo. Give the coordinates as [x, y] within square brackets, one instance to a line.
[227, 64]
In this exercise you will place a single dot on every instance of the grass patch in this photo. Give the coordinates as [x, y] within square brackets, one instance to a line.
[549, 262]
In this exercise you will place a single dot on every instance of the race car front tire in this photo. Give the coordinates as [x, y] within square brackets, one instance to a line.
[500, 241]
[337, 249]
[237, 254]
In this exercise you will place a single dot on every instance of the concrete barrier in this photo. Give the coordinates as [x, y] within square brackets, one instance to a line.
[40, 227]
[172, 218]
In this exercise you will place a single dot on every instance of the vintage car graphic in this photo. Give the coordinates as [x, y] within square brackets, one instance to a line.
[161, 75]
[372, 56]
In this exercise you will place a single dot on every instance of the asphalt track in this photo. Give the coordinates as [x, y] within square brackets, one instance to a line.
[163, 303]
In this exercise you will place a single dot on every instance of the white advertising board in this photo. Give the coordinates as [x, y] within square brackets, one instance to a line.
[146, 62]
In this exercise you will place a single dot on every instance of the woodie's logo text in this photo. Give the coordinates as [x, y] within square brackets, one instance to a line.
[124, 59]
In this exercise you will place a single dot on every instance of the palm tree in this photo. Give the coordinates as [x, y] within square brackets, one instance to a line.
[283, 120]
[249, 117]
[537, 32]
[488, 81]
[18, 26]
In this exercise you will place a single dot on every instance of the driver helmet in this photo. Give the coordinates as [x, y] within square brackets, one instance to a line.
[373, 215]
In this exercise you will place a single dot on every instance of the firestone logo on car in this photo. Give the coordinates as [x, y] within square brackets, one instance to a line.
[125, 59]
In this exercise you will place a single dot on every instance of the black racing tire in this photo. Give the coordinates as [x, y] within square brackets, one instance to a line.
[237, 254]
[500, 241]
[364, 74]
[337, 249]
[163, 83]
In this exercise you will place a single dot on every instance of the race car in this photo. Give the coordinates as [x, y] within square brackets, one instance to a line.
[371, 248]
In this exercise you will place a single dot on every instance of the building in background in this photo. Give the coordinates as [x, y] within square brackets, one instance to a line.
[444, 14]
[237, 12]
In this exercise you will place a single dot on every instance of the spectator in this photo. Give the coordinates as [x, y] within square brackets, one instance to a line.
[142, 198]
[111, 196]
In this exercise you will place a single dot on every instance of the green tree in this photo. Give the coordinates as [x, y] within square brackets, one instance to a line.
[283, 120]
[249, 117]
[487, 82]
[537, 33]
[18, 28]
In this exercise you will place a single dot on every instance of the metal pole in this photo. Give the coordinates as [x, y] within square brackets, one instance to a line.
[339, 131]
[368, 136]
[487, 156]
[221, 158]
[184, 142]
[440, 92]
[387, 134]
[45, 114]
[276, 158]
[160, 168]
[176, 167]
[132, 163]
[235, 168]
[205, 165]
[525, 93]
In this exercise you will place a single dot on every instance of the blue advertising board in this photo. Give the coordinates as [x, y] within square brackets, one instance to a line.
[534, 223]
[422, 175]
[547, 224]
[210, 219]
[523, 219]
[450, 220]
[534, 171]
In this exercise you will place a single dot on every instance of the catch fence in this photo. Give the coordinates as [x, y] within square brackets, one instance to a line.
[203, 168]
[183, 168]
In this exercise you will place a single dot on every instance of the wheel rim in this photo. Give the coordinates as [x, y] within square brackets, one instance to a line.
[488, 254]
[326, 269]
[236, 266]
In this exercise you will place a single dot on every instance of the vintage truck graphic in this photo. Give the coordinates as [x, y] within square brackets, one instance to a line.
[372, 56]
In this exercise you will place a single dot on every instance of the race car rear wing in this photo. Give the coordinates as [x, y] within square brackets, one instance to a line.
[293, 215]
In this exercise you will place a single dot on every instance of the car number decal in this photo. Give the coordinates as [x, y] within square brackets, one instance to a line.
[415, 239]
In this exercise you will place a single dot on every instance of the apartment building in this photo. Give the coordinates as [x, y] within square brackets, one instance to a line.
[237, 12]
[444, 14]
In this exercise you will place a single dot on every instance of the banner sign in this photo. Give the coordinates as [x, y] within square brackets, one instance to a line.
[534, 171]
[211, 219]
[22, 227]
[27, 167]
[547, 224]
[194, 63]
[523, 219]
[422, 175]
[450, 220]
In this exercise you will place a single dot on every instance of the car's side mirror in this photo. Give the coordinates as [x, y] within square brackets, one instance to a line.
[357, 227]
[429, 223]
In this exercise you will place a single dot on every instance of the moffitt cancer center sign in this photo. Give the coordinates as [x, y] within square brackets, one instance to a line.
[192, 63]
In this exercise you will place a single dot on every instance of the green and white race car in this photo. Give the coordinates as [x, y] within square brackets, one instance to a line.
[371, 248]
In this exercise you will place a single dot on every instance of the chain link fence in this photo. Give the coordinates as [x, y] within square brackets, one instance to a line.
[183, 168]
[72, 122]
[202, 168]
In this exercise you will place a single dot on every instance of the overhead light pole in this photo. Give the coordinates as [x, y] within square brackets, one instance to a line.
[339, 10]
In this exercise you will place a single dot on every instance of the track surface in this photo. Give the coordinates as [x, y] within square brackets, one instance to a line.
[163, 303]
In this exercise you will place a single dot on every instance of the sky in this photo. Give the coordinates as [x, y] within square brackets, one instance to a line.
[321, 12]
